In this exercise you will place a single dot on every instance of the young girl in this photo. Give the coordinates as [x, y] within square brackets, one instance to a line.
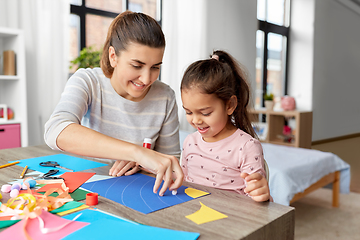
[107, 112]
[224, 152]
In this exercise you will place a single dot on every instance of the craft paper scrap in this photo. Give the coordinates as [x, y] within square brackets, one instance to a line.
[98, 177]
[96, 230]
[75, 163]
[16, 231]
[195, 193]
[92, 215]
[7, 223]
[77, 195]
[67, 206]
[2, 218]
[48, 186]
[205, 214]
[73, 180]
[136, 192]
[82, 207]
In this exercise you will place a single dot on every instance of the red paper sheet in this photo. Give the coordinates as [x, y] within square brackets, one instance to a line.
[73, 180]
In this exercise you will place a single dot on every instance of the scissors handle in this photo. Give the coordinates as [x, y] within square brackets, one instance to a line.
[49, 174]
[65, 168]
[49, 164]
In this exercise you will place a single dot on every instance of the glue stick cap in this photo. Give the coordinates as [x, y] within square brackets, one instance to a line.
[147, 143]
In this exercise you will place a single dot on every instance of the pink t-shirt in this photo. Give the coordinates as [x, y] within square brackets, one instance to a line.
[219, 164]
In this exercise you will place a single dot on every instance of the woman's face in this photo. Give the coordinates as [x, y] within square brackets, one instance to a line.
[135, 69]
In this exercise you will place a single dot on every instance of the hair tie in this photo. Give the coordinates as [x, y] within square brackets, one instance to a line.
[214, 56]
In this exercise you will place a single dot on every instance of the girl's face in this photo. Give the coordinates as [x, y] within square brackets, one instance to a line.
[135, 69]
[208, 114]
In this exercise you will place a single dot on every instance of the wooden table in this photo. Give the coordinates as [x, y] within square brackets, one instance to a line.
[247, 219]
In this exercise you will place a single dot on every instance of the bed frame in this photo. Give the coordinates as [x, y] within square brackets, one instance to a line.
[333, 178]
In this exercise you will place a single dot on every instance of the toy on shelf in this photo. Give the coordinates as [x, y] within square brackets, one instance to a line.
[6, 113]
[288, 103]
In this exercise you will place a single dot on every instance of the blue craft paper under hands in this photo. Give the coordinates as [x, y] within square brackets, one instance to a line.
[136, 192]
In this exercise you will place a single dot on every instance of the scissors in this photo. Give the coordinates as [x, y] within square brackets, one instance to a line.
[54, 164]
[49, 174]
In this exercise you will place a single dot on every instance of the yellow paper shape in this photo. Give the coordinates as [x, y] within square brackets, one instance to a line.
[72, 210]
[194, 193]
[205, 214]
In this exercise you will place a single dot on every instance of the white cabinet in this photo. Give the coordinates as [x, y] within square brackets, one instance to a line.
[13, 88]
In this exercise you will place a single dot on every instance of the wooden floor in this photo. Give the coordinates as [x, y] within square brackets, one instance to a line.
[349, 151]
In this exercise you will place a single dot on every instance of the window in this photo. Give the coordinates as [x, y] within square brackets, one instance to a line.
[90, 20]
[271, 45]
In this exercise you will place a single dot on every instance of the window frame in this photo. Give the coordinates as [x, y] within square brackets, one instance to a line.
[268, 27]
[82, 10]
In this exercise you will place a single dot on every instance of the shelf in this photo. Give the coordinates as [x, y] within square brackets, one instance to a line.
[9, 77]
[11, 121]
[275, 123]
[13, 87]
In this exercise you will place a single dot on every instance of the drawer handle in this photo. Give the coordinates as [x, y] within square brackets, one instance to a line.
[2, 130]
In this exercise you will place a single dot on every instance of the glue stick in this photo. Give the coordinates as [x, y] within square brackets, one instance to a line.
[147, 143]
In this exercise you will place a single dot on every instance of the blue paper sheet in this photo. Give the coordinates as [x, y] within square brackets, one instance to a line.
[136, 192]
[112, 229]
[74, 163]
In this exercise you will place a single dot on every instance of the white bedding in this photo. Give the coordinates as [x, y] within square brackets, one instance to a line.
[292, 170]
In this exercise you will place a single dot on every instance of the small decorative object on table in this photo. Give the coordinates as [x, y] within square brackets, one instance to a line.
[288, 103]
[269, 101]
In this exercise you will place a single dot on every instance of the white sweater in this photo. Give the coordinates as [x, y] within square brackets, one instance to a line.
[89, 99]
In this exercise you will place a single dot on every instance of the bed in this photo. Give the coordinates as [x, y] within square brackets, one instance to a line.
[295, 172]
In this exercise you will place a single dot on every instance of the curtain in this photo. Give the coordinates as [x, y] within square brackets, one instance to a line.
[184, 26]
[45, 26]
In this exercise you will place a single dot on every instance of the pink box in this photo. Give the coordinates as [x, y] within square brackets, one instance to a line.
[10, 136]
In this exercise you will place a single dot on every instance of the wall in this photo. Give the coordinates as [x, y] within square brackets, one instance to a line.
[232, 27]
[193, 29]
[324, 65]
[336, 80]
[301, 53]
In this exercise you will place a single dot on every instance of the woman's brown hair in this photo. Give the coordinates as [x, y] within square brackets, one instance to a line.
[130, 27]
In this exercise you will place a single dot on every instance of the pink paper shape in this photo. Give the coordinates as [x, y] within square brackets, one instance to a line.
[16, 232]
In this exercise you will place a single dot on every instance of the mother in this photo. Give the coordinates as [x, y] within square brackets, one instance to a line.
[107, 112]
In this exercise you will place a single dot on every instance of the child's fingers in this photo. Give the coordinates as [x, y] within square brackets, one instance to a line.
[244, 175]
[254, 176]
[261, 198]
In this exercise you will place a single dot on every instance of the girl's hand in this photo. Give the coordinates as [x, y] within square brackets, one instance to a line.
[121, 167]
[257, 186]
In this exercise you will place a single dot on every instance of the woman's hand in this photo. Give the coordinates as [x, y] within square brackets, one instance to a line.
[122, 167]
[165, 167]
[257, 186]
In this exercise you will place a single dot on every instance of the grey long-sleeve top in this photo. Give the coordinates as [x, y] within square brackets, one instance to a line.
[89, 99]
